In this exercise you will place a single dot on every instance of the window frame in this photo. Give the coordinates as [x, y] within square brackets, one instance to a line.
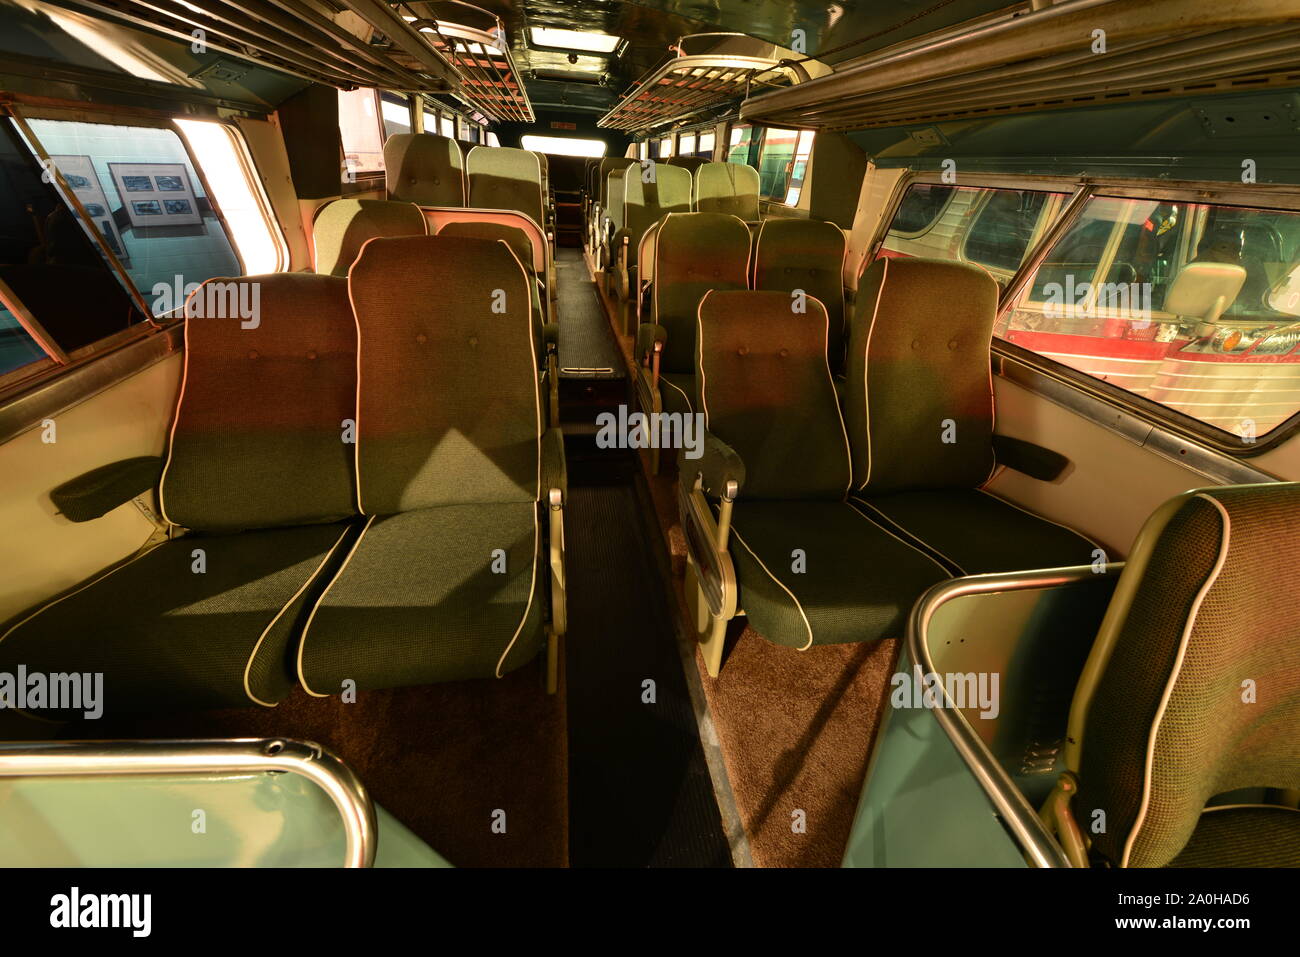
[1283, 197]
[366, 181]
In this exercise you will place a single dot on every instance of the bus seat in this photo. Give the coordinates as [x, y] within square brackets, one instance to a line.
[1161, 718]
[688, 163]
[727, 188]
[806, 254]
[646, 200]
[501, 177]
[600, 208]
[919, 410]
[424, 168]
[611, 220]
[343, 227]
[257, 468]
[695, 252]
[811, 568]
[448, 578]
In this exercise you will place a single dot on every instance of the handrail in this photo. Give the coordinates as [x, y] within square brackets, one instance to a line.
[208, 756]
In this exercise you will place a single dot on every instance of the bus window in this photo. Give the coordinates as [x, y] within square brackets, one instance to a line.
[799, 168]
[430, 118]
[920, 208]
[705, 146]
[146, 201]
[686, 144]
[1000, 235]
[396, 110]
[563, 145]
[361, 132]
[738, 148]
[666, 147]
[1195, 306]
[776, 161]
[447, 126]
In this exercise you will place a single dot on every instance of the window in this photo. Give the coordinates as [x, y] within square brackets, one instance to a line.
[738, 148]
[447, 126]
[492, 139]
[994, 228]
[17, 348]
[229, 171]
[396, 111]
[563, 145]
[1191, 305]
[920, 208]
[430, 118]
[776, 158]
[643, 150]
[575, 40]
[705, 147]
[666, 147]
[362, 134]
[799, 168]
[146, 202]
[686, 144]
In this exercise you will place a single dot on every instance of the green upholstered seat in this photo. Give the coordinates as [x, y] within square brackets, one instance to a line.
[730, 188]
[1243, 836]
[694, 253]
[424, 168]
[806, 254]
[449, 426]
[688, 163]
[1197, 690]
[918, 404]
[210, 620]
[345, 225]
[501, 177]
[521, 246]
[649, 194]
[811, 567]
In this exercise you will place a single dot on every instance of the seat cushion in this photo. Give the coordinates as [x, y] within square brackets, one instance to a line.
[165, 636]
[974, 533]
[438, 594]
[1244, 836]
[677, 390]
[857, 583]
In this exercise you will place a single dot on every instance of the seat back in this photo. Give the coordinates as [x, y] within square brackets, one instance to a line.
[607, 166]
[651, 192]
[1193, 686]
[694, 252]
[805, 254]
[919, 397]
[502, 177]
[448, 410]
[345, 225]
[727, 188]
[613, 205]
[258, 438]
[690, 163]
[766, 391]
[519, 242]
[424, 168]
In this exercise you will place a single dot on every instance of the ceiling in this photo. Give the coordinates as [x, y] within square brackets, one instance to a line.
[650, 26]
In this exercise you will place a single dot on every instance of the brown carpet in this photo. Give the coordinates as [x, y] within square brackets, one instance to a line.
[439, 758]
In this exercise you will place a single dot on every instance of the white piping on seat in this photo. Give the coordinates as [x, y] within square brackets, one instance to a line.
[306, 628]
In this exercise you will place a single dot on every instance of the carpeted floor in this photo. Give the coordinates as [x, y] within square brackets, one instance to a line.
[441, 758]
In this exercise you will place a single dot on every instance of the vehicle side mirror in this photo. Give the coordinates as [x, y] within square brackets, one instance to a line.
[1204, 290]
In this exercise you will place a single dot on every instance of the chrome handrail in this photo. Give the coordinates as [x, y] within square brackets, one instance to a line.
[209, 756]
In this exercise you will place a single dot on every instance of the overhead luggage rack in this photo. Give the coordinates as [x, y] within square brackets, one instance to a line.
[473, 40]
[345, 44]
[709, 69]
[1072, 54]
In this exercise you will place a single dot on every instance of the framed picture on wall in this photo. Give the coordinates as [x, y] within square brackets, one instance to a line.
[156, 194]
[79, 173]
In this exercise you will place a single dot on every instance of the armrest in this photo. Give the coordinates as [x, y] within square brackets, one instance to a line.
[101, 490]
[647, 334]
[1033, 460]
[555, 471]
[720, 467]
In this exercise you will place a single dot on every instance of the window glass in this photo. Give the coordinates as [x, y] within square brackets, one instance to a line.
[799, 168]
[447, 127]
[563, 145]
[396, 111]
[492, 139]
[705, 147]
[146, 200]
[17, 348]
[228, 169]
[686, 144]
[362, 134]
[776, 161]
[739, 147]
[994, 228]
[430, 120]
[666, 147]
[1193, 305]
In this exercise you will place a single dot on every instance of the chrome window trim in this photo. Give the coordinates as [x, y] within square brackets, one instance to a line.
[62, 387]
[235, 756]
[1017, 814]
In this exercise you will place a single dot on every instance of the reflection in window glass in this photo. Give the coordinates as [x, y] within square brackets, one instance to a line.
[147, 202]
[1000, 235]
[739, 147]
[921, 206]
[363, 137]
[17, 348]
[705, 147]
[799, 168]
[563, 145]
[1193, 305]
[396, 111]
